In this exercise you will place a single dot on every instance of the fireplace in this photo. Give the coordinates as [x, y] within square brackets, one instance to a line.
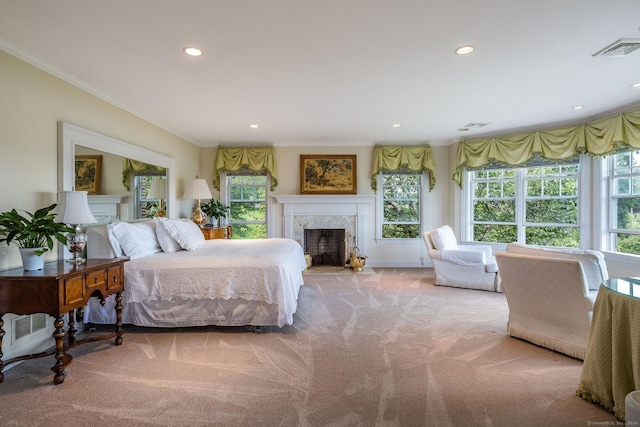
[325, 245]
[327, 212]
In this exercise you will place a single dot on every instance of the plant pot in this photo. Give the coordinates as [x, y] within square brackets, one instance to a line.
[31, 261]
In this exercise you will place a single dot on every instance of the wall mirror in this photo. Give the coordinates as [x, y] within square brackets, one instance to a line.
[72, 139]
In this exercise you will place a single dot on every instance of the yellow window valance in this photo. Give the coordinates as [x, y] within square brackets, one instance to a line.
[256, 159]
[390, 158]
[598, 138]
[134, 166]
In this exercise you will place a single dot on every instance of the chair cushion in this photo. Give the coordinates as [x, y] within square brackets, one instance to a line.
[443, 238]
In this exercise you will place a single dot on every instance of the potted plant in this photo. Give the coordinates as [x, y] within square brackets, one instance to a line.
[33, 234]
[215, 209]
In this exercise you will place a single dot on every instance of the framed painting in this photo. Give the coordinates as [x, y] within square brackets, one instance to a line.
[88, 173]
[328, 174]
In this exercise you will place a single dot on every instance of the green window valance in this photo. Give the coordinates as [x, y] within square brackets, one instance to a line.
[599, 138]
[139, 168]
[391, 158]
[256, 159]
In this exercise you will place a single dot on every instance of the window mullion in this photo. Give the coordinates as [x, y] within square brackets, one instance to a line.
[521, 192]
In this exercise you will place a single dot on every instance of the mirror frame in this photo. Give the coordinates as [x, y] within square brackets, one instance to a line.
[70, 136]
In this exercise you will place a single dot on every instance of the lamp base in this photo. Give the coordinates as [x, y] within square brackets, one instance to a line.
[199, 217]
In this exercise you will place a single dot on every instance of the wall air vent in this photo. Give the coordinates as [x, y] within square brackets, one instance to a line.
[621, 47]
[27, 325]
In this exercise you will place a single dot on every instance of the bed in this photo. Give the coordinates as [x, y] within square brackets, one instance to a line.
[175, 278]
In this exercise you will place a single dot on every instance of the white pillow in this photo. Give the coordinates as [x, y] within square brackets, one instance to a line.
[185, 232]
[167, 243]
[443, 238]
[113, 240]
[138, 239]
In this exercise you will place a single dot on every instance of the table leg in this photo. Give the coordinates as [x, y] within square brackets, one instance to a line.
[71, 329]
[119, 330]
[62, 359]
[1, 335]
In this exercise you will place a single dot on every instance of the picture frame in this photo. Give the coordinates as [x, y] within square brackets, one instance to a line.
[328, 174]
[88, 172]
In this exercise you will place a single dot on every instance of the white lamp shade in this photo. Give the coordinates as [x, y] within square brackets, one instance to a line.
[73, 208]
[197, 189]
[158, 189]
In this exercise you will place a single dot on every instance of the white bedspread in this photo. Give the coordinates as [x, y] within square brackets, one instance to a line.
[267, 270]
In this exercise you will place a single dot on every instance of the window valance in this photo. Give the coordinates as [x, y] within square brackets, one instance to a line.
[599, 138]
[134, 166]
[391, 158]
[256, 159]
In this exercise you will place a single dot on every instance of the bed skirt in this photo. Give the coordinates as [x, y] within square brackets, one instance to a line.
[186, 313]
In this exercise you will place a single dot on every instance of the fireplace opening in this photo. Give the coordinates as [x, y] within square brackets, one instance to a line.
[326, 246]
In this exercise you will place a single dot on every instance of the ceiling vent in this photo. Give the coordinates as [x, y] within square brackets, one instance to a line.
[472, 125]
[621, 47]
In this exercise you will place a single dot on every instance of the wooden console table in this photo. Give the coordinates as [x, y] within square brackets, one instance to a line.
[59, 289]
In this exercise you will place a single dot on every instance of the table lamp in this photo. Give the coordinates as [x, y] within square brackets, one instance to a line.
[158, 191]
[73, 209]
[198, 189]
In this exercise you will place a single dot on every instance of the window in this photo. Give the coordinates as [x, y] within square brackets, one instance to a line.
[536, 205]
[247, 195]
[625, 202]
[401, 201]
[145, 207]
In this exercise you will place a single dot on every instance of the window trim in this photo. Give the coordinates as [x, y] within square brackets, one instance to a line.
[424, 203]
[225, 196]
[584, 204]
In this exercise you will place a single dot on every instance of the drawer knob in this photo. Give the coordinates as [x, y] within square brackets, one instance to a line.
[115, 279]
[95, 280]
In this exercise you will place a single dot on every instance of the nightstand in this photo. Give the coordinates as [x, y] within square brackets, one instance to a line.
[216, 232]
[59, 289]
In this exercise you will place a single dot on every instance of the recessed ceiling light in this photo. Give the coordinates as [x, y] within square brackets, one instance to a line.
[636, 85]
[253, 126]
[395, 125]
[192, 51]
[578, 107]
[464, 50]
[463, 129]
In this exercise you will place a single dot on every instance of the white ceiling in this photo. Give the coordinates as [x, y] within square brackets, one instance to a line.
[336, 72]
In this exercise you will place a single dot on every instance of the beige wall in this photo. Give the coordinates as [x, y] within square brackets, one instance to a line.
[440, 201]
[31, 105]
[34, 101]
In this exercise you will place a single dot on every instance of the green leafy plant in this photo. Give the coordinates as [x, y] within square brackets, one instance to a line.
[215, 209]
[37, 230]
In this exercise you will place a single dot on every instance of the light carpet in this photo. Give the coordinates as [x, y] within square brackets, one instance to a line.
[386, 348]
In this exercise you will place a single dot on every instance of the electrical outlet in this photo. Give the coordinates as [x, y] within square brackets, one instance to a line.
[421, 260]
[3, 250]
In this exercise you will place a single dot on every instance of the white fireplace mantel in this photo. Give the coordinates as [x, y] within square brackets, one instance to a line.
[326, 205]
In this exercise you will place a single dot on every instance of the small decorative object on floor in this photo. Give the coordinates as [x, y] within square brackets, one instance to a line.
[357, 260]
[307, 258]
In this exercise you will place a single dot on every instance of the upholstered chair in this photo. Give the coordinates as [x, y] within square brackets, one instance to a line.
[549, 296]
[461, 266]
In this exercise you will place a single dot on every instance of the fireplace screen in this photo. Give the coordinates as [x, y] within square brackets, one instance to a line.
[326, 246]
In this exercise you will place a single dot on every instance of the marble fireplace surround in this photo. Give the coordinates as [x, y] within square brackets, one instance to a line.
[346, 212]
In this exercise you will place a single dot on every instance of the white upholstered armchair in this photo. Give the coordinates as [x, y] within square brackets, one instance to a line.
[551, 294]
[461, 266]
